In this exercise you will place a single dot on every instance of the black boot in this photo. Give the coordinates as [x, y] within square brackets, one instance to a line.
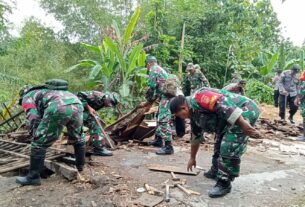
[158, 142]
[79, 152]
[211, 174]
[221, 188]
[101, 151]
[291, 120]
[36, 164]
[166, 150]
[302, 138]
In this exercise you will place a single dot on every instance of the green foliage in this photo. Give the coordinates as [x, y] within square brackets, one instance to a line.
[38, 54]
[259, 91]
[88, 20]
[119, 62]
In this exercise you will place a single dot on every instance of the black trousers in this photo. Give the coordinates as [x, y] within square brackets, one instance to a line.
[180, 126]
[283, 102]
[276, 95]
[217, 144]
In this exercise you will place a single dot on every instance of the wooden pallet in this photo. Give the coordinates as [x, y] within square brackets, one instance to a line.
[15, 155]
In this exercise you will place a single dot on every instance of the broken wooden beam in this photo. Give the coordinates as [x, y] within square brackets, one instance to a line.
[61, 168]
[169, 169]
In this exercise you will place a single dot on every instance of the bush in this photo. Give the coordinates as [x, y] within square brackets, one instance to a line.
[259, 91]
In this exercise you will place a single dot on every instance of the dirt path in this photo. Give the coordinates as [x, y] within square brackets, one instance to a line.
[272, 174]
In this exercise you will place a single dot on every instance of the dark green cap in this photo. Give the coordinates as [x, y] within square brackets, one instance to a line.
[151, 58]
[296, 67]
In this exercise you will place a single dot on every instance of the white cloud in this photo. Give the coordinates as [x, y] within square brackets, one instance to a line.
[30, 8]
[291, 14]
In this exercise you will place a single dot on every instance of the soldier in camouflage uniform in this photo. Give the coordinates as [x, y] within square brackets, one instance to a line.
[300, 101]
[229, 115]
[194, 79]
[49, 109]
[179, 124]
[92, 102]
[288, 92]
[157, 78]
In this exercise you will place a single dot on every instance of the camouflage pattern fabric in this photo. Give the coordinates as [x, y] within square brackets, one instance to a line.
[227, 110]
[95, 100]
[301, 97]
[97, 136]
[195, 81]
[164, 121]
[48, 112]
[156, 80]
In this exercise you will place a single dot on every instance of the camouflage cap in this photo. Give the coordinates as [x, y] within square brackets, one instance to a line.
[197, 66]
[296, 67]
[151, 58]
[56, 84]
[190, 66]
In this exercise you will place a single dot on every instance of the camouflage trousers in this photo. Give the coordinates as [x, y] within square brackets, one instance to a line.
[54, 120]
[97, 136]
[164, 121]
[302, 106]
[234, 144]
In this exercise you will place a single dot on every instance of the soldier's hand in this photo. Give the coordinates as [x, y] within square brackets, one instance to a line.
[191, 164]
[285, 93]
[91, 111]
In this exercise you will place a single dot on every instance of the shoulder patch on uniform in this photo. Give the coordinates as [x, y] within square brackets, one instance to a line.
[207, 99]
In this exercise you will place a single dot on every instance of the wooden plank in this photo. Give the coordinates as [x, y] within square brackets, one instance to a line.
[61, 168]
[167, 168]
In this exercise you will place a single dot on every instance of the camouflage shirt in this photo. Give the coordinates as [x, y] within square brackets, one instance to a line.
[196, 81]
[156, 80]
[225, 113]
[95, 99]
[288, 83]
[36, 102]
[301, 91]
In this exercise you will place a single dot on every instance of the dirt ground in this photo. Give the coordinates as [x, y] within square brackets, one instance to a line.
[272, 174]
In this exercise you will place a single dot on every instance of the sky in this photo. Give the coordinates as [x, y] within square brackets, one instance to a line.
[290, 13]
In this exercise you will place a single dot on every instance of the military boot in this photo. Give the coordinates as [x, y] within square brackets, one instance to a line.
[291, 120]
[101, 151]
[221, 188]
[158, 142]
[166, 150]
[79, 153]
[211, 174]
[302, 138]
[36, 164]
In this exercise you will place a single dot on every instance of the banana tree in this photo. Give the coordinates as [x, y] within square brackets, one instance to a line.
[120, 61]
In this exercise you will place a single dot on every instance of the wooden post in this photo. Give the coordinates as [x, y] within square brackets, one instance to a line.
[181, 49]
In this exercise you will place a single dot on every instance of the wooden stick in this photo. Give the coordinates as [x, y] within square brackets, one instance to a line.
[167, 198]
[184, 189]
[174, 178]
[108, 139]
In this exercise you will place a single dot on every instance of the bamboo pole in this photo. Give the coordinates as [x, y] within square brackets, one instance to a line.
[181, 49]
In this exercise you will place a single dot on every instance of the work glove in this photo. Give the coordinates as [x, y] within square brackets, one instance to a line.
[247, 129]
